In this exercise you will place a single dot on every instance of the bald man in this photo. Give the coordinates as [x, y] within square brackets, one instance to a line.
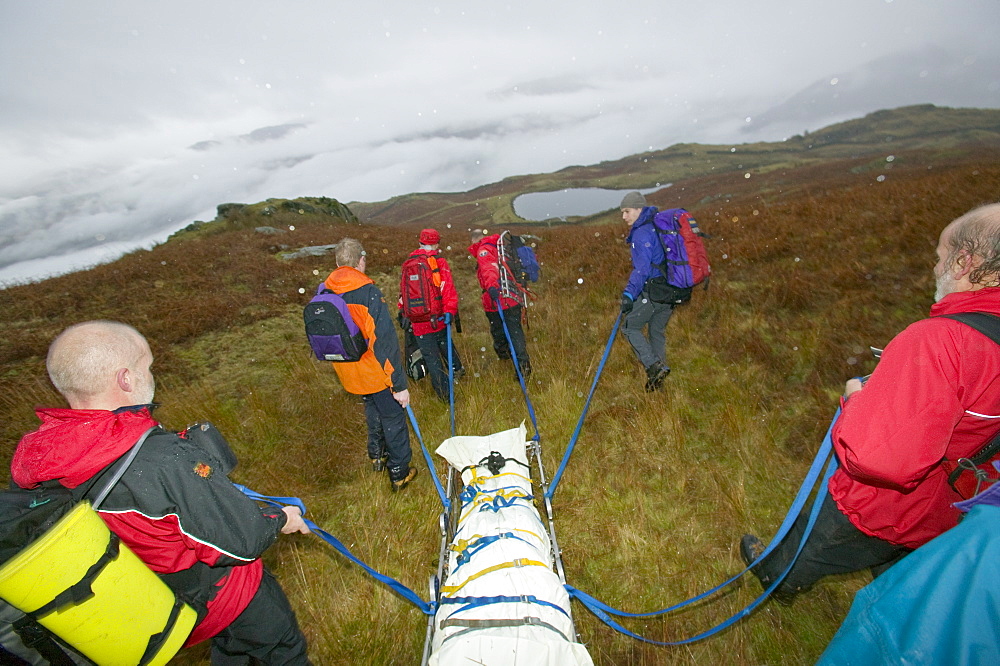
[175, 506]
[934, 395]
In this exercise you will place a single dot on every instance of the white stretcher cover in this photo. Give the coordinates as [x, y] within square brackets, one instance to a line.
[510, 606]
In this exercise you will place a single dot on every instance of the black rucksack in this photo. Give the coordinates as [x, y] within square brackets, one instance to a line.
[26, 515]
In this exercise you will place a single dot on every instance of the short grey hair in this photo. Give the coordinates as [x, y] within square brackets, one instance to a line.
[349, 252]
[83, 359]
[977, 234]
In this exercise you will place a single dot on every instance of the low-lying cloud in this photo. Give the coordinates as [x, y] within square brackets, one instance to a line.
[122, 127]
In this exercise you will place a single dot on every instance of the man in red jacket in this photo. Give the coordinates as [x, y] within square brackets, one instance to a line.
[174, 507]
[433, 294]
[500, 286]
[934, 395]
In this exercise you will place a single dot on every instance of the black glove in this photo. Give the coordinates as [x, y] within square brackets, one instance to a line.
[627, 304]
[458, 323]
[494, 293]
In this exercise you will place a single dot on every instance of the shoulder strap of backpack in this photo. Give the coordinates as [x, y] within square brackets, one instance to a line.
[988, 325]
[984, 322]
[36, 637]
[119, 468]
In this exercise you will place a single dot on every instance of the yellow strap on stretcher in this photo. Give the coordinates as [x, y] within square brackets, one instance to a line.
[476, 478]
[521, 562]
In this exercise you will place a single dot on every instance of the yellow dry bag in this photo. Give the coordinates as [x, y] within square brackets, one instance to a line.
[81, 583]
[91, 591]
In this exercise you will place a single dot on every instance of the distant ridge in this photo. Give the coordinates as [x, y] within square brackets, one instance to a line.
[930, 129]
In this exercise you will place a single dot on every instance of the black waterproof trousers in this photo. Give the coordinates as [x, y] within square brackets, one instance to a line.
[388, 435]
[266, 632]
[512, 317]
[834, 546]
[434, 348]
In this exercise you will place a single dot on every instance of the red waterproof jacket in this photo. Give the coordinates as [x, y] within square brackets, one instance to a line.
[449, 296]
[935, 394]
[174, 507]
[488, 271]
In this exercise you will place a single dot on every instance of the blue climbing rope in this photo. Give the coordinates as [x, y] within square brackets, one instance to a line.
[586, 406]
[824, 457]
[427, 457]
[517, 369]
[428, 608]
[451, 373]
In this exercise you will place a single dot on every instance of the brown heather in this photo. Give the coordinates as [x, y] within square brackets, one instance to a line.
[813, 263]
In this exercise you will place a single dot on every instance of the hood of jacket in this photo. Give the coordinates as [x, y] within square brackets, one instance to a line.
[72, 445]
[986, 299]
[346, 279]
[487, 240]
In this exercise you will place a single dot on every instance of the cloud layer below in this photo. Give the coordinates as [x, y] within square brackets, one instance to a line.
[124, 123]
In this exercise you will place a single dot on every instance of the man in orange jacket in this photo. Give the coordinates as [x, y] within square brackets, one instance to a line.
[378, 377]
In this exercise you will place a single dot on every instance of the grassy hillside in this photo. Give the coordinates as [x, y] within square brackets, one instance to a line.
[814, 260]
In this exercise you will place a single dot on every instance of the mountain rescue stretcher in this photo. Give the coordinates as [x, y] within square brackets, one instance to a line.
[500, 584]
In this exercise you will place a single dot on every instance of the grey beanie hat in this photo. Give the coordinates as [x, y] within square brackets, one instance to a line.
[633, 200]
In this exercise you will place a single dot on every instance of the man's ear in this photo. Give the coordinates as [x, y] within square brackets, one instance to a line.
[123, 379]
[964, 264]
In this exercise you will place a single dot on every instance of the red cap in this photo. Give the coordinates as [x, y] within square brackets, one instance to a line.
[429, 237]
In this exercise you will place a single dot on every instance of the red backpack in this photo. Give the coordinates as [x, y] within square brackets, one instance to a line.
[420, 288]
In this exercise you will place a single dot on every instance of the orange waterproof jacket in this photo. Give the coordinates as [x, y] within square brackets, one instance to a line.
[379, 368]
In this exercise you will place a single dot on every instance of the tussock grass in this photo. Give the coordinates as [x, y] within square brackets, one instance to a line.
[812, 264]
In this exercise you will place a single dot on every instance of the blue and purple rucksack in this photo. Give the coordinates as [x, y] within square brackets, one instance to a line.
[332, 332]
[685, 260]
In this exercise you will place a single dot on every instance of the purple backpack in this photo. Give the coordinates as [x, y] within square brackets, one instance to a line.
[332, 332]
[676, 266]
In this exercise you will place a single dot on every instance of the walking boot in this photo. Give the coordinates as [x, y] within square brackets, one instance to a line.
[655, 374]
[402, 483]
[750, 549]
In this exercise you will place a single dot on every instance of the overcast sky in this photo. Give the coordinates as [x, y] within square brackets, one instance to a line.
[122, 121]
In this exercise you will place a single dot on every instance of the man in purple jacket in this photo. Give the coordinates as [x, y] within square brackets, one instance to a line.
[644, 322]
